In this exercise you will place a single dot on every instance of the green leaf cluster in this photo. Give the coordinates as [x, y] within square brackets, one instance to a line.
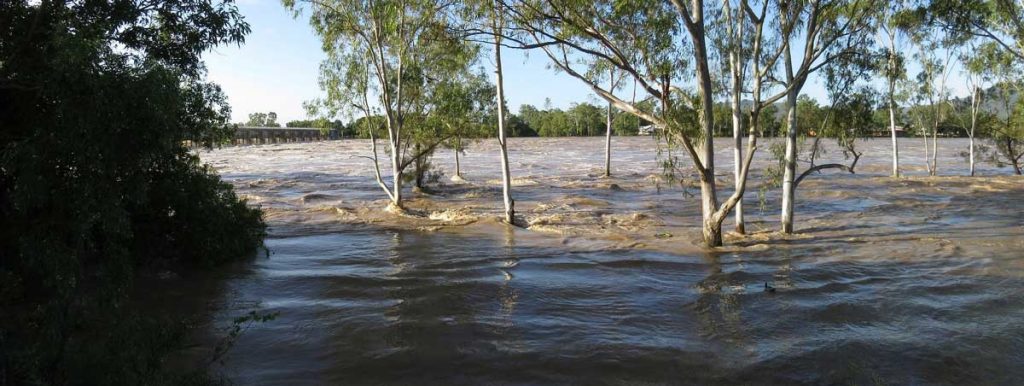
[96, 102]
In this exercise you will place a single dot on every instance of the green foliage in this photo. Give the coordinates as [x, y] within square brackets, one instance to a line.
[582, 119]
[238, 327]
[1007, 140]
[995, 21]
[325, 125]
[399, 60]
[263, 120]
[95, 183]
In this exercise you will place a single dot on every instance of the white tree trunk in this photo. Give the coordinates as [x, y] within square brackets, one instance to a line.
[975, 106]
[935, 147]
[927, 154]
[608, 143]
[735, 69]
[506, 179]
[892, 131]
[458, 149]
[712, 229]
[737, 152]
[608, 127]
[788, 188]
[892, 76]
[396, 170]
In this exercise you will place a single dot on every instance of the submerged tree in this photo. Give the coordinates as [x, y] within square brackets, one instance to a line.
[391, 52]
[832, 30]
[1006, 134]
[935, 55]
[485, 22]
[974, 70]
[894, 69]
[642, 40]
[465, 108]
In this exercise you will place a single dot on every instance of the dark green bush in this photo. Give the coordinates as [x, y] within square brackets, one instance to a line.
[96, 100]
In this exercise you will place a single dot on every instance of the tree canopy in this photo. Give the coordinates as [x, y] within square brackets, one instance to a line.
[97, 99]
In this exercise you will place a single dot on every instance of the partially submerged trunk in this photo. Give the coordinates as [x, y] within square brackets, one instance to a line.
[458, 149]
[736, 74]
[892, 132]
[392, 139]
[975, 106]
[789, 164]
[506, 179]
[608, 143]
[419, 172]
[891, 75]
[712, 228]
[815, 149]
[935, 147]
[396, 169]
[608, 129]
[927, 153]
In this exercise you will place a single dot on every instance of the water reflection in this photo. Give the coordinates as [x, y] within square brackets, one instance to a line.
[436, 308]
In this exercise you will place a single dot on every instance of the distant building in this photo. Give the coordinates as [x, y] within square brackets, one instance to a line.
[901, 131]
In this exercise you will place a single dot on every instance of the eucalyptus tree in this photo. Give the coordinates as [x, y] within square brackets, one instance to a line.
[1006, 134]
[485, 22]
[464, 105]
[894, 68]
[390, 52]
[1000, 22]
[1008, 140]
[733, 43]
[850, 118]
[975, 76]
[935, 54]
[850, 112]
[766, 48]
[614, 82]
[832, 30]
[656, 44]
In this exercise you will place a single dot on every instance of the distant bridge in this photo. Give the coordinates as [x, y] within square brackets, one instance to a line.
[266, 135]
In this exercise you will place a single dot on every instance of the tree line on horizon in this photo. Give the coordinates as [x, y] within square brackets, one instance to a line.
[587, 119]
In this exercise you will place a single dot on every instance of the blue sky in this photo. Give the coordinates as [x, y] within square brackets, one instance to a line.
[276, 69]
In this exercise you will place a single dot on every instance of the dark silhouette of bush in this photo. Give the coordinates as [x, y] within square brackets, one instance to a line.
[96, 101]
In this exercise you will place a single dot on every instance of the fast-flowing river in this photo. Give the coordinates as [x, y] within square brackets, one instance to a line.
[918, 280]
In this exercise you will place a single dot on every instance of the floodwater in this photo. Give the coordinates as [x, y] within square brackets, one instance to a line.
[918, 280]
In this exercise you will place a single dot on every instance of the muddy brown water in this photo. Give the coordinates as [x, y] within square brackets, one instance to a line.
[918, 280]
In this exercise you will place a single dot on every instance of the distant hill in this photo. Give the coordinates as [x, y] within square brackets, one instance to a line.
[990, 102]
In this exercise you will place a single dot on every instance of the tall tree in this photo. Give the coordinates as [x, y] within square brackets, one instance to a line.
[497, 21]
[831, 30]
[641, 40]
[974, 71]
[484, 22]
[893, 69]
[614, 80]
[733, 44]
[935, 54]
[390, 50]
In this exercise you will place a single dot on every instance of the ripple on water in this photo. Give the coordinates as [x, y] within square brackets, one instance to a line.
[896, 283]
